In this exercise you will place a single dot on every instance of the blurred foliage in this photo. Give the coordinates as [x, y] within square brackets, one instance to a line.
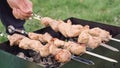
[104, 11]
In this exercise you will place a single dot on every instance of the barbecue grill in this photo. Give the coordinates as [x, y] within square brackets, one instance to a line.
[8, 58]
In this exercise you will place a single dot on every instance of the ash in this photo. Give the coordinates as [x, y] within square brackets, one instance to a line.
[46, 62]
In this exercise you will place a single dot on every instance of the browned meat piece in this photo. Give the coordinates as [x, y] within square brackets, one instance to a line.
[54, 25]
[103, 34]
[69, 30]
[75, 30]
[47, 37]
[94, 32]
[53, 49]
[89, 40]
[63, 56]
[15, 39]
[64, 28]
[51, 22]
[41, 37]
[33, 36]
[57, 42]
[46, 20]
[93, 42]
[75, 48]
[35, 45]
[44, 50]
[27, 43]
[83, 37]
[77, 27]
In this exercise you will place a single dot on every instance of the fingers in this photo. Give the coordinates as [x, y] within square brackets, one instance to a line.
[26, 6]
[15, 13]
[22, 9]
[20, 15]
[24, 15]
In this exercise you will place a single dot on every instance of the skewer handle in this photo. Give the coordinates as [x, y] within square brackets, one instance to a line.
[12, 29]
[102, 57]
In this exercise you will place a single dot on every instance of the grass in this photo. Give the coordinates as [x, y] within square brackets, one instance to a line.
[105, 11]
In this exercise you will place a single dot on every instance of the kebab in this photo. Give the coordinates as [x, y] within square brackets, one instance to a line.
[61, 55]
[76, 48]
[60, 26]
[72, 30]
[73, 47]
[84, 37]
[93, 40]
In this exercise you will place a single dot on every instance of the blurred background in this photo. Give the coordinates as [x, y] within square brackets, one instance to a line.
[103, 11]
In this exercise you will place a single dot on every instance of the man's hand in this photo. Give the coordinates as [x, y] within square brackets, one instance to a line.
[22, 9]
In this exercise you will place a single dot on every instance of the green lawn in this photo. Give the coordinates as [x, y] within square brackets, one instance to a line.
[105, 11]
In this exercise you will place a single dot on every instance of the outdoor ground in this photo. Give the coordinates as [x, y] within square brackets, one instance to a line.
[104, 11]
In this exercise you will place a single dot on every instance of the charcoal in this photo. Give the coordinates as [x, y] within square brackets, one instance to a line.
[47, 62]
[21, 55]
[36, 57]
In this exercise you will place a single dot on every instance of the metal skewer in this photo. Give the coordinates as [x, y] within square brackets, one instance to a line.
[114, 39]
[82, 60]
[109, 47]
[102, 57]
